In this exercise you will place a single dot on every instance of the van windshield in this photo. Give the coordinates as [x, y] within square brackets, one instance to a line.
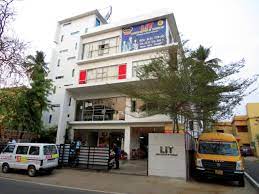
[218, 148]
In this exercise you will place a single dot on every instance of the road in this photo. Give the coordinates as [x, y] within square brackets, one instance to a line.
[9, 186]
[252, 168]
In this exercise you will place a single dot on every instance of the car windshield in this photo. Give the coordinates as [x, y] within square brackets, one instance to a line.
[218, 148]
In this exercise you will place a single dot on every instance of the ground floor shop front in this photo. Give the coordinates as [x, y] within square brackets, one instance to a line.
[132, 139]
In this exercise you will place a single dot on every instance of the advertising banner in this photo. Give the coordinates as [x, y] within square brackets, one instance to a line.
[144, 35]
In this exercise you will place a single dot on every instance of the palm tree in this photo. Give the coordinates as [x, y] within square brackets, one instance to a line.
[37, 71]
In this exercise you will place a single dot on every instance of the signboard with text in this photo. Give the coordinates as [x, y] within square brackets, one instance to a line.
[144, 35]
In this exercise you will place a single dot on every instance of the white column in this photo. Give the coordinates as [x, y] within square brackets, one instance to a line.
[62, 123]
[127, 141]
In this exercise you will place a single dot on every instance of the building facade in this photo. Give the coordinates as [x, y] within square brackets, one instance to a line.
[90, 60]
[244, 127]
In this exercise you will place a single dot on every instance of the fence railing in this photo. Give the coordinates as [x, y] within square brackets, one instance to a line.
[85, 157]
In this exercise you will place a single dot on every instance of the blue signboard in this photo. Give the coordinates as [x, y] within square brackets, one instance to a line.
[144, 35]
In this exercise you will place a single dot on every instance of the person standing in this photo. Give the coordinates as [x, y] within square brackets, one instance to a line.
[116, 150]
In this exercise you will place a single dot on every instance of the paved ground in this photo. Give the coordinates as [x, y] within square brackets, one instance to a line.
[110, 182]
[252, 167]
[14, 187]
[132, 167]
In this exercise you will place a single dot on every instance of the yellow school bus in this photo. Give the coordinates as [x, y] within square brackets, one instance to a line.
[218, 155]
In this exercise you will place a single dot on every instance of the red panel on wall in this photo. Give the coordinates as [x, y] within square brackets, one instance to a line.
[122, 71]
[82, 76]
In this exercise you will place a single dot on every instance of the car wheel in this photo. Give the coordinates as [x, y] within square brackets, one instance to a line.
[5, 168]
[241, 182]
[32, 171]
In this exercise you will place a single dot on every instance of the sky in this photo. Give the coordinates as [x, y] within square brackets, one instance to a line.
[229, 27]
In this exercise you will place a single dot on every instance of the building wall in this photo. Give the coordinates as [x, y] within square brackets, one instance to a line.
[253, 124]
[63, 61]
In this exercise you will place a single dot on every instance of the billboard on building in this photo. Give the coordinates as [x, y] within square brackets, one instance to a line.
[144, 35]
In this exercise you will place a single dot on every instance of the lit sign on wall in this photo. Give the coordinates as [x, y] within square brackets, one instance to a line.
[144, 35]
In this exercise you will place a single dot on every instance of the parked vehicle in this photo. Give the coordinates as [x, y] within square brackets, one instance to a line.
[218, 155]
[246, 151]
[32, 157]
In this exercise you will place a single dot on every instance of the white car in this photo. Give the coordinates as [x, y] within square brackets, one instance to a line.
[32, 157]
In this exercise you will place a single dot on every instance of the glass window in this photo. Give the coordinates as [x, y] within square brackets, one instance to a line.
[137, 64]
[9, 149]
[34, 150]
[218, 148]
[22, 150]
[100, 48]
[62, 38]
[97, 22]
[73, 72]
[102, 74]
[133, 105]
[49, 150]
[50, 118]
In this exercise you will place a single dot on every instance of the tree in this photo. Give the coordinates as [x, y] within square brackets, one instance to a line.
[37, 71]
[195, 87]
[216, 88]
[11, 48]
[21, 107]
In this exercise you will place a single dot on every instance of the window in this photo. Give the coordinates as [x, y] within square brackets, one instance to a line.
[55, 105]
[137, 64]
[100, 48]
[101, 109]
[71, 58]
[73, 33]
[60, 77]
[86, 30]
[76, 46]
[22, 150]
[58, 63]
[82, 77]
[73, 72]
[69, 103]
[242, 129]
[34, 150]
[50, 118]
[49, 150]
[9, 149]
[122, 71]
[102, 74]
[62, 38]
[63, 51]
[133, 105]
[67, 24]
[97, 22]
[54, 89]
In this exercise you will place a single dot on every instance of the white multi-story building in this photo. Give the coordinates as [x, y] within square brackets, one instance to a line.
[90, 58]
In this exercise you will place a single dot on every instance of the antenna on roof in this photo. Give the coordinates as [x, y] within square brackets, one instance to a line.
[109, 13]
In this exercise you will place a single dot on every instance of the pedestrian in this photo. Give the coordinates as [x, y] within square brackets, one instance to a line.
[116, 150]
[13, 141]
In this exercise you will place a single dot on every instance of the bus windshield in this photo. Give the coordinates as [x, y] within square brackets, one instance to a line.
[218, 148]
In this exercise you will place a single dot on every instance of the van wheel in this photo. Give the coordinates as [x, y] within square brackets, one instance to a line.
[5, 168]
[32, 171]
[241, 182]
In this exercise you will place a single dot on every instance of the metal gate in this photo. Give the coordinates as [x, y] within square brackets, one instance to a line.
[85, 157]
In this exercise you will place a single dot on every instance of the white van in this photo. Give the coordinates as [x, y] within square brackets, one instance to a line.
[32, 157]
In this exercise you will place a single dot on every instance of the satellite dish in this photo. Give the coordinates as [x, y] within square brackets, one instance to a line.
[109, 13]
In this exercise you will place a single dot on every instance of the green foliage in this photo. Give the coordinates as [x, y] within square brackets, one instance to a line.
[48, 135]
[196, 87]
[21, 108]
